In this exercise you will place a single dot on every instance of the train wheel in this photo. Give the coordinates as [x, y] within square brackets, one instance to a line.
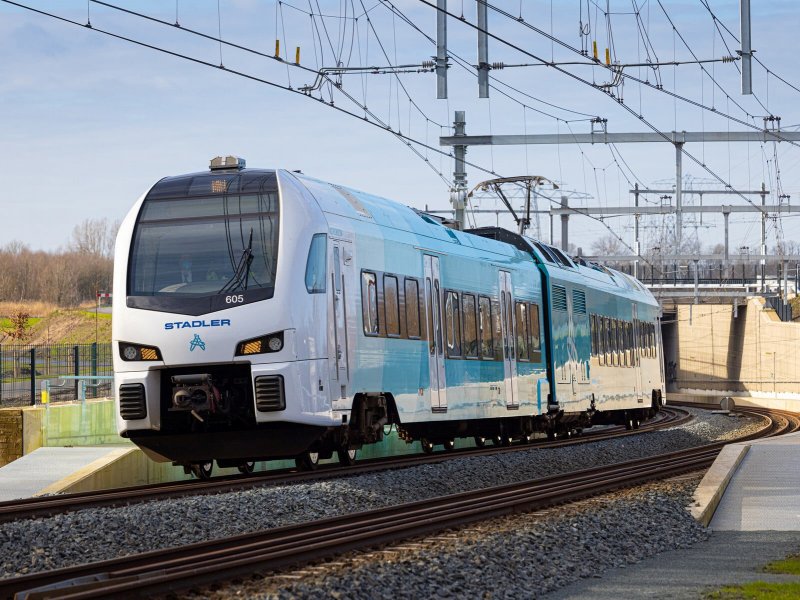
[551, 434]
[247, 468]
[628, 423]
[203, 470]
[427, 445]
[307, 461]
[449, 445]
[347, 456]
[501, 440]
[525, 438]
[480, 441]
[636, 423]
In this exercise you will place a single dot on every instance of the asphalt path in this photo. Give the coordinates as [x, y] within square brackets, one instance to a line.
[727, 557]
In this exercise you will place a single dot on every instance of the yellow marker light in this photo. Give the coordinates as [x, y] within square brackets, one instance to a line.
[149, 354]
[253, 347]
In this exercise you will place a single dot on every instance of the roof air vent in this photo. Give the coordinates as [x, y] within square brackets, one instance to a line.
[222, 163]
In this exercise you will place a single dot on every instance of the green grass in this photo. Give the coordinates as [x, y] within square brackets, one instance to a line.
[5, 322]
[789, 566]
[100, 315]
[758, 590]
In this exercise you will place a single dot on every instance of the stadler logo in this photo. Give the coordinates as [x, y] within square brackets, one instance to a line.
[196, 324]
[197, 343]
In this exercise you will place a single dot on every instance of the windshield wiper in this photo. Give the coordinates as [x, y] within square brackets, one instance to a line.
[241, 274]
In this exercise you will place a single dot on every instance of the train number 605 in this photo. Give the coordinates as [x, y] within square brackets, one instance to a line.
[234, 299]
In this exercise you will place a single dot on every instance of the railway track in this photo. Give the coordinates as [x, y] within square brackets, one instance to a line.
[202, 563]
[50, 505]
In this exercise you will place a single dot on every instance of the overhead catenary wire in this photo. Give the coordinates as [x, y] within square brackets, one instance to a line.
[376, 122]
[609, 68]
[407, 138]
[622, 104]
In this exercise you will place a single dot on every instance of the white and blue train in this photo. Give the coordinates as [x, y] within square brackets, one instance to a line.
[262, 314]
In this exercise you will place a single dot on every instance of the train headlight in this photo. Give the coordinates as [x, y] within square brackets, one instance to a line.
[272, 342]
[133, 352]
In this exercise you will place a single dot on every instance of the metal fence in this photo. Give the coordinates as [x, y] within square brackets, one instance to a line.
[24, 367]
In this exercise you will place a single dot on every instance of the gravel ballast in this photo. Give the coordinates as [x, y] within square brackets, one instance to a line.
[524, 556]
[103, 533]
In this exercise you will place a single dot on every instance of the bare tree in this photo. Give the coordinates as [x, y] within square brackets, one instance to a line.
[66, 278]
[94, 237]
[609, 245]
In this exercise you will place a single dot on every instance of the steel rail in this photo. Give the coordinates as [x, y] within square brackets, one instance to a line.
[277, 548]
[206, 562]
[50, 505]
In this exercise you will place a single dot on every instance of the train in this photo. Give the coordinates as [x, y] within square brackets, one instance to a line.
[262, 314]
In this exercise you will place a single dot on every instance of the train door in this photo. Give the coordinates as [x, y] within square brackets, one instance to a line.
[433, 312]
[637, 351]
[509, 340]
[571, 364]
[563, 343]
[580, 345]
[341, 265]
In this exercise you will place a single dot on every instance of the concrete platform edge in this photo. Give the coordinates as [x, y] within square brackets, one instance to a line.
[78, 480]
[708, 494]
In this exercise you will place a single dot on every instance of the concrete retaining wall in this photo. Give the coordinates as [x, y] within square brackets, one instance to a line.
[754, 353]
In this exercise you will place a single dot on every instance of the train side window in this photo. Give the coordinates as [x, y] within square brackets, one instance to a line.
[615, 342]
[452, 317]
[601, 338]
[652, 340]
[437, 301]
[536, 338]
[315, 264]
[369, 302]
[391, 305]
[412, 308]
[522, 331]
[485, 324]
[470, 327]
[623, 342]
[429, 311]
[510, 324]
[629, 341]
[593, 327]
[631, 351]
[638, 335]
[497, 330]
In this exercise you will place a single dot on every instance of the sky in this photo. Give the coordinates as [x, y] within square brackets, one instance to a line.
[91, 121]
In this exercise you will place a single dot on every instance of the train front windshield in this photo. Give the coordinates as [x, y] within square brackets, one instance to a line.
[203, 238]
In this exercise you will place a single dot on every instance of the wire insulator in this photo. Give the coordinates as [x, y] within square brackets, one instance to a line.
[608, 57]
[277, 48]
[594, 50]
[297, 56]
[728, 59]
[428, 64]
[498, 65]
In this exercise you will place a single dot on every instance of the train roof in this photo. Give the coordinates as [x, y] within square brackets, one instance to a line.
[381, 211]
